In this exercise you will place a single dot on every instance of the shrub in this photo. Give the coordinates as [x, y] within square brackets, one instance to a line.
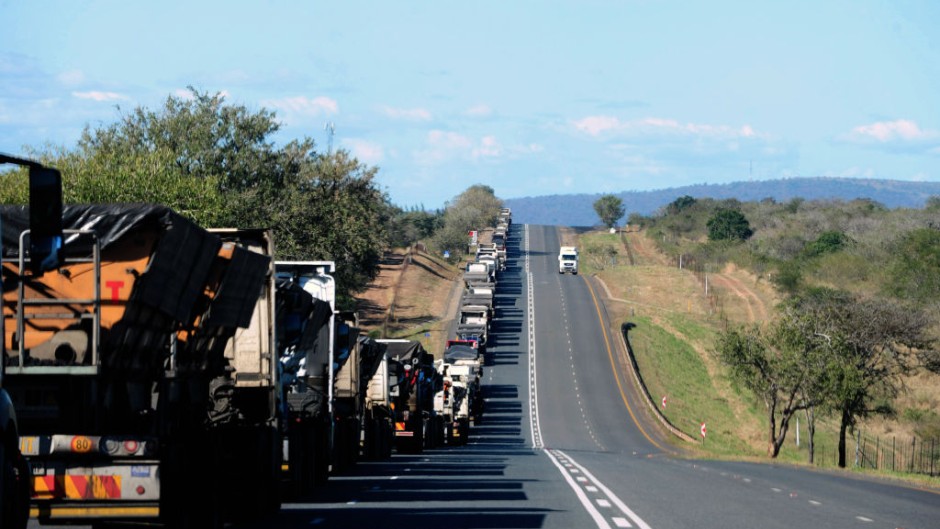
[728, 224]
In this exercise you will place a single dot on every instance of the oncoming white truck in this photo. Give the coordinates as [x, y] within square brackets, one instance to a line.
[568, 260]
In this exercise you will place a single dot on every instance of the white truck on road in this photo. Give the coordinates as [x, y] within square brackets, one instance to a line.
[568, 260]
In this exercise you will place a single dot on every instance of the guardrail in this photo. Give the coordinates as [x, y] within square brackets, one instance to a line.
[635, 369]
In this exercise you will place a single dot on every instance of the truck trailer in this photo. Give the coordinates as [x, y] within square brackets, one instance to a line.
[142, 367]
[306, 327]
[417, 426]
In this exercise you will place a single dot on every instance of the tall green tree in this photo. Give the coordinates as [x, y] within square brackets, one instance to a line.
[332, 209]
[474, 209]
[610, 209]
[872, 343]
[781, 365]
[217, 164]
[728, 224]
[680, 204]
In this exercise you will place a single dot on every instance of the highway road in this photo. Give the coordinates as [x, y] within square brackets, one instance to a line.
[563, 444]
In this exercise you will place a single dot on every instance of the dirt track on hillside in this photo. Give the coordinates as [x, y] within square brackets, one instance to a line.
[755, 307]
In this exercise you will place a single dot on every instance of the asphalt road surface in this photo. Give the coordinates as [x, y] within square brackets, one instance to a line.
[563, 444]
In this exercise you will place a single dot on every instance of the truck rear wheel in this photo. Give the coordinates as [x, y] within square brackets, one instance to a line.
[14, 487]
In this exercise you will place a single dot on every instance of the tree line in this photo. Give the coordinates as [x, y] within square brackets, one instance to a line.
[217, 164]
[860, 297]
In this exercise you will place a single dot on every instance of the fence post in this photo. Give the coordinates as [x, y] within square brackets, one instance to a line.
[931, 455]
[913, 447]
[878, 462]
[858, 437]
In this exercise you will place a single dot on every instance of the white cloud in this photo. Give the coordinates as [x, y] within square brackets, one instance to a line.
[99, 96]
[304, 106]
[488, 148]
[899, 130]
[366, 151]
[448, 140]
[443, 146]
[480, 110]
[71, 77]
[597, 125]
[409, 114]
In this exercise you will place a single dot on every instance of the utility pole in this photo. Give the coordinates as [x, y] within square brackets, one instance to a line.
[330, 128]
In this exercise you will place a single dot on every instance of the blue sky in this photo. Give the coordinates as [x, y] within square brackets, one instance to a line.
[529, 97]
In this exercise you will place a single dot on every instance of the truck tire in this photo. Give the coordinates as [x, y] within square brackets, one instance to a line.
[321, 448]
[14, 487]
[187, 501]
[301, 460]
[464, 431]
[388, 438]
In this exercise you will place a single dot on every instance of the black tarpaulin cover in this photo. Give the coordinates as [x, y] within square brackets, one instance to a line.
[407, 351]
[235, 302]
[371, 354]
[181, 260]
[455, 353]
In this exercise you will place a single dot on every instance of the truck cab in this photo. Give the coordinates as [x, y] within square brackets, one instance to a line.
[568, 260]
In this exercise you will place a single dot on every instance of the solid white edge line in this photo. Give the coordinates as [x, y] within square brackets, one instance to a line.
[534, 425]
[585, 501]
[613, 497]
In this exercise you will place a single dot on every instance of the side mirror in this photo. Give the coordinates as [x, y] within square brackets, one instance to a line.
[45, 218]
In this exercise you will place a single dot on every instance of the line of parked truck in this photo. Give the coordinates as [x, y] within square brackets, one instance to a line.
[168, 373]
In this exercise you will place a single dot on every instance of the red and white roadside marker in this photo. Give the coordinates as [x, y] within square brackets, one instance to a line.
[702, 429]
[664, 402]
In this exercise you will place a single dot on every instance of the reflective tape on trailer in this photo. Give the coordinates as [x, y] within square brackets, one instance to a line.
[57, 480]
[78, 487]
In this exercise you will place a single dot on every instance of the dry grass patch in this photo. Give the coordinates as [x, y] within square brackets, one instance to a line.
[416, 298]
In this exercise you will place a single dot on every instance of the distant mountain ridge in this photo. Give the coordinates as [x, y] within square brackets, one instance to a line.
[578, 209]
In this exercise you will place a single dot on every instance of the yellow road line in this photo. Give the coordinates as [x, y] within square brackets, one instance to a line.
[613, 366]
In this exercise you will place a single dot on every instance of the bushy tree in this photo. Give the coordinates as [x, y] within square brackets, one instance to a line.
[680, 204]
[728, 224]
[782, 365]
[610, 209]
[474, 209]
[407, 227]
[867, 345]
[333, 210]
[914, 272]
[827, 242]
[216, 163]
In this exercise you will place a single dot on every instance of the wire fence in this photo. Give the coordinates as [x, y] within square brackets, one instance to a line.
[912, 455]
[688, 262]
